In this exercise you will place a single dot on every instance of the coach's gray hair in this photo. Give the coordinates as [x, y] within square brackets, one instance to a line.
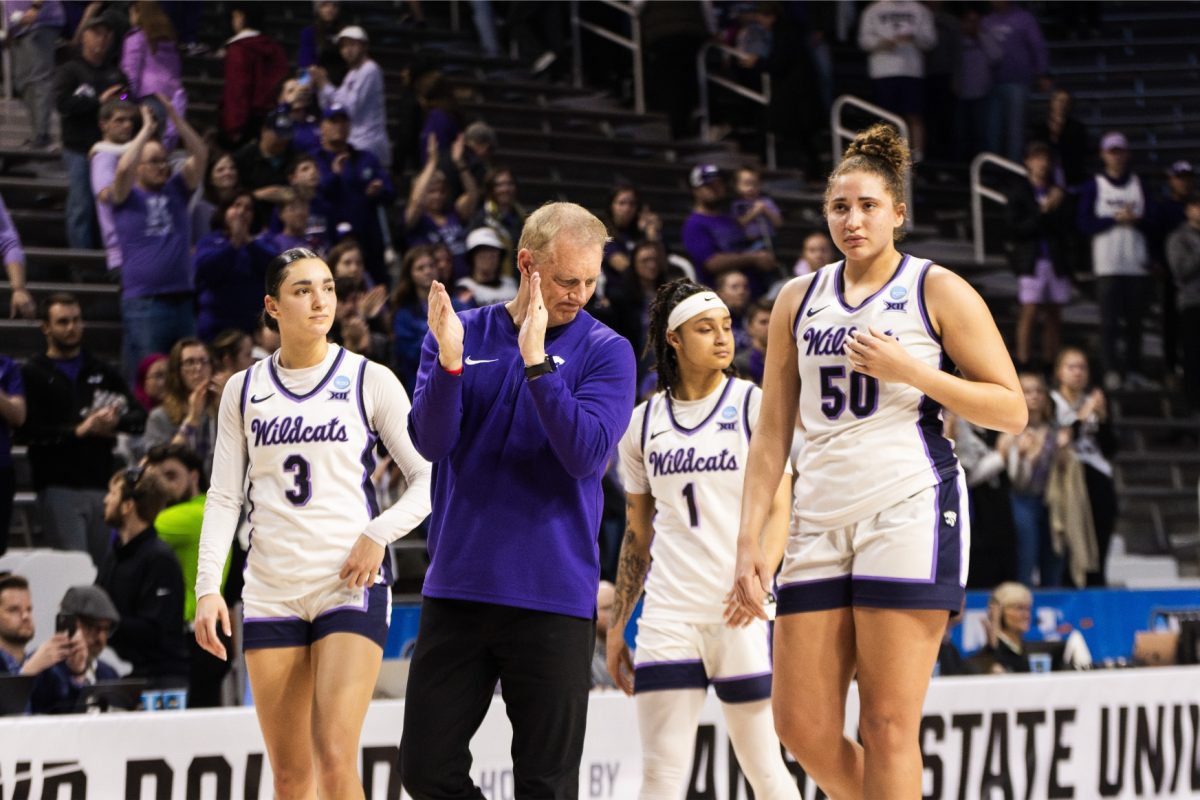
[561, 220]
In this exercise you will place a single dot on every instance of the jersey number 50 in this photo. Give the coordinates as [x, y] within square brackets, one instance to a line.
[864, 393]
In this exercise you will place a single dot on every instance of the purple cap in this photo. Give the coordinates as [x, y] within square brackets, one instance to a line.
[703, 174]
[336, 110]
[1180, 168]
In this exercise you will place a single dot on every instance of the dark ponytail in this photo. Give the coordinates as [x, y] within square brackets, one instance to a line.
[276, 271]
[666, 360]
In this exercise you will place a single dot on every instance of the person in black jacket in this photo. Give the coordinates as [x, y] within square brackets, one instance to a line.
[143, 577]
[76, 404]
[81, 86]
[1039, 252]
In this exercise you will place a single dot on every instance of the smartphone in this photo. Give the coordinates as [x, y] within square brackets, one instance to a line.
[304, 78]
[65, 623]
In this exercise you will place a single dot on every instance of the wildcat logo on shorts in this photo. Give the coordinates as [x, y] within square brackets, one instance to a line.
[951, 518]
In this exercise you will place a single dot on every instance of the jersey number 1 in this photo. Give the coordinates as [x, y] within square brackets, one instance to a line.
[301, 492]
[864, 393]
[689, 494]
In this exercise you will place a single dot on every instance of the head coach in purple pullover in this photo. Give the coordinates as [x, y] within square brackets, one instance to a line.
[519, 407]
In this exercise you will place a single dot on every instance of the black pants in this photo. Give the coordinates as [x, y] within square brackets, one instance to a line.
[543, 663]
[1189, 335]
[1122, 310]
[8, 489]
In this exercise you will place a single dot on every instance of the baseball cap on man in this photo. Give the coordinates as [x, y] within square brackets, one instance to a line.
[1113, 140]
[703, 174]
[354, 32]
[280, 122]
[91, 602]
[1180, 168]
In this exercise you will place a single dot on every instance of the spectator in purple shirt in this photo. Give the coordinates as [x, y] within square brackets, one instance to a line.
[12, 255]
[1020, 61]
[713, 238]
[519, 407]
[150, 209]
[150, 59]
[230, 267]
[432, 216]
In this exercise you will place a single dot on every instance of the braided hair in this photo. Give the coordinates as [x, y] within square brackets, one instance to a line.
[666, 360]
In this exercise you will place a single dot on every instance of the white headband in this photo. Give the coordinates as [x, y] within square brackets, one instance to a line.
[692, 305]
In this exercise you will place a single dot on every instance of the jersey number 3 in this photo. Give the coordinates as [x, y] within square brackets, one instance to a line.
[301, 491]
[864, 393]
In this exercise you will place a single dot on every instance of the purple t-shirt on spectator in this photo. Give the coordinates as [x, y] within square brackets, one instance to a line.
[705, 235]
[153, 230]
[1016, 37]
[759, 228]
[12, 385]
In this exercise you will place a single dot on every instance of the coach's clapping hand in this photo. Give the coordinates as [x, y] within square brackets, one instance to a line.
[211, 609]
[362, 565]
[532, 338]
[446, 327]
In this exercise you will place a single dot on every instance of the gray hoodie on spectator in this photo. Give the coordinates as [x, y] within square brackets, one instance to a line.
[1183, 256]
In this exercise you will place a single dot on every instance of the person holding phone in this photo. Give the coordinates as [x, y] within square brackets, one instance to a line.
[188, 414]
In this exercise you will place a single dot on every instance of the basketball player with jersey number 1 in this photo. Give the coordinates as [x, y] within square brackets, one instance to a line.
[876, 561]
[682, 461]
[299, 429]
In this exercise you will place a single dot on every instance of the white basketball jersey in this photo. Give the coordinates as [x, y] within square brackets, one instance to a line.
[691, 457]
[868, 444]
[310, 459]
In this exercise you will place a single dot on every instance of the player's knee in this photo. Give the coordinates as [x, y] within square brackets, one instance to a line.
[885, 729]
[293, 781]
[335, 752]
[662, 778]
[805, 736]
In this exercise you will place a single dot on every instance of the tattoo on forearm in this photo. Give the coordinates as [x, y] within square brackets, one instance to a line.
[631, 574]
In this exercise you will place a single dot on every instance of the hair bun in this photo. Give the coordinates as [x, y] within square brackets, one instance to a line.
[883, 142]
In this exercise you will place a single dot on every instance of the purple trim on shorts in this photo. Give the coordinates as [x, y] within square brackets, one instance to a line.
[646, 422]
[268, 632]
[743, 688]
[921, 302]
[838, 283]
[821, 594]
[818, 276]
[661, 675]
[245, 391]
[300, 398]
[874, 593]
[689, 431]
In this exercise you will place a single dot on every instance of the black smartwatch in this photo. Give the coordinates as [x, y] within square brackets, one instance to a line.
[538, 370]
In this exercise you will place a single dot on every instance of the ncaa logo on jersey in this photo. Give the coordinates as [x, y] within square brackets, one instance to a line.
[951, 518]
[729, 412]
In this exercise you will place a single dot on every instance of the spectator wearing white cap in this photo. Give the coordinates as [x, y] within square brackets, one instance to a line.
[360, 93]
[485, 285]
[1114, 212]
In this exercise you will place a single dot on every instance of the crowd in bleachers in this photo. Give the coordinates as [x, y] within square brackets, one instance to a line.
[302, 154]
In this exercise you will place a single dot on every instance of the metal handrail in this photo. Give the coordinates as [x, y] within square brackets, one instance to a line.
[840, 132]
[633, 44]
[762, 98]
[6, 57]
[979, 192]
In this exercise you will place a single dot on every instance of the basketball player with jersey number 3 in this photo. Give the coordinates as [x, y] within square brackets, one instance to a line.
[876, 559]
[299, 428]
